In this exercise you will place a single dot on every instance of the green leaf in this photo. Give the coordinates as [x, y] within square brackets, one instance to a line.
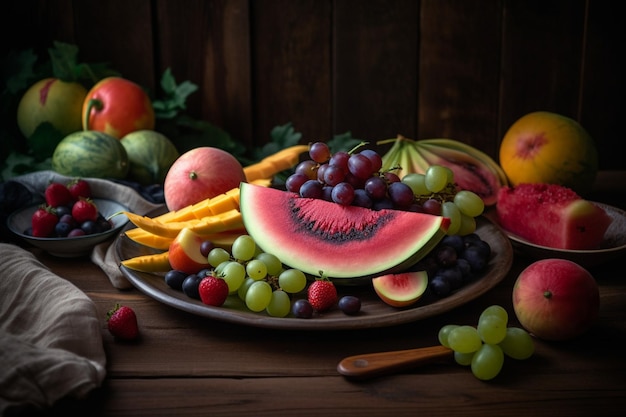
[64, 58]
[195, 133]
[285, 135]
[175, 96]
[281, 137]
[44, 141]
[19, 70]
[343, 142]
[18, 164]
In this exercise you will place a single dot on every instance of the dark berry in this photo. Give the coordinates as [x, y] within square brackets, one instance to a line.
[190, 286]
[350, 304]
[302, 309]
[62, 229]
[440, 286]
[174, 279]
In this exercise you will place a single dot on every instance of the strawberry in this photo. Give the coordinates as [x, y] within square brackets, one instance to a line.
[83, 210]
[57, 195]
[322, 294]
[79, 188]
[122, 322]
[43, 221]
[213, 291]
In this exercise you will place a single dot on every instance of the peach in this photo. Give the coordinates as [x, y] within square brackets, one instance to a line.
[556, 299]
[201, 173]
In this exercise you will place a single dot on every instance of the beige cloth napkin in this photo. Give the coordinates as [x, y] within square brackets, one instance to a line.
[50, 335]
[104, 255]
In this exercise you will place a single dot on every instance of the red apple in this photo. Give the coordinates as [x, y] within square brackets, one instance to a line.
[117, 106]
[185, 254]
[201, 173]
[556, 299]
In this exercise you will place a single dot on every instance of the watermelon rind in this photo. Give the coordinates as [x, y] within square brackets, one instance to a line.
[348, 244]
[90, 153]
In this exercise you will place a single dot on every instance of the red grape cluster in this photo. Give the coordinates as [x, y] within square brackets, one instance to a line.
[350, 178]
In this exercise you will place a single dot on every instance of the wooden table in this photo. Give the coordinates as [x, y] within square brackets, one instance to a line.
[185, 365]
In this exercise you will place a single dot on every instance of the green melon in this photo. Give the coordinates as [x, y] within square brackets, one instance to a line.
[90, 153]
[345, 242]
[151, 154]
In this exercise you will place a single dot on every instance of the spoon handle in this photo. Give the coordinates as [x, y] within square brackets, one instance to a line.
[373, 364]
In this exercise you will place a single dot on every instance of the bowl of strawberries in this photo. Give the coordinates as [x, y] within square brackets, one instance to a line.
[70, 222]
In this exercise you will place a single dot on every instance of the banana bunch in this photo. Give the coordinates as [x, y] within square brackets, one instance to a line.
[473, 169]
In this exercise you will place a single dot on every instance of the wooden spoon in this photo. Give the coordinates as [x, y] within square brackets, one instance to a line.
[375, 364]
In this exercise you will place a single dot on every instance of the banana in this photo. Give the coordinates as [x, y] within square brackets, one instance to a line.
[464, 147]
[473, 169]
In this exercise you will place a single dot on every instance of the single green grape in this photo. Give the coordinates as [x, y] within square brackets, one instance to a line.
[292, 280]
[444, 332]
[417, 183]
[280, 304]
[487, 362]
[469, 203]
[517, 344]
[243, 248]
[492, 329]
[467, 226]
[464, 339]
[217, 255]
[464, 359]
[258, 296]
[243, 288]
[436, 178]
[271, 261]
[233, 273]
[449, 175]
[450, 210]
[219, 270]
[495, 310]
[256, 269]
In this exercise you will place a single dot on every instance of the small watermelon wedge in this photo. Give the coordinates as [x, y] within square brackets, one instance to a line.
[551, 215]
[315, 235]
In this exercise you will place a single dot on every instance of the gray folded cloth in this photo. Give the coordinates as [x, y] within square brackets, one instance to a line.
[50, 335]
[104, 255]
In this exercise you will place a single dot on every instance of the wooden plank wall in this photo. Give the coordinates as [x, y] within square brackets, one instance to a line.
[463, 69]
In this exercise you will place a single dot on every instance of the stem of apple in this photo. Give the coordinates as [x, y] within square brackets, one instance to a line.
[93, 103]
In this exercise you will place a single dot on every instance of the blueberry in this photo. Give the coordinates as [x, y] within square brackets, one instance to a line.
[454, 241]
[350, 304]
[302, 309]
[174, 279]
[90, 227]
[440, 286]
[62, 229]
[190, 286]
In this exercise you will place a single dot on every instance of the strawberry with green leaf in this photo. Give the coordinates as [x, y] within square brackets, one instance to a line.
[84, 210]
[43, 221]
[79, 188]
[57, 194]
[122, 322]
[322, 294]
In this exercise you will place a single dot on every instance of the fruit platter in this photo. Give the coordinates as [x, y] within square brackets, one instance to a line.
[374, 313]
[320, 253]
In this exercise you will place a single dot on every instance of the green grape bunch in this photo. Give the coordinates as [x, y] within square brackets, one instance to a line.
[485, 346]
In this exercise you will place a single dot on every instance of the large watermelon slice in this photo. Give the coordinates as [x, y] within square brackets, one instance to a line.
[551, 215]
[315, 235]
